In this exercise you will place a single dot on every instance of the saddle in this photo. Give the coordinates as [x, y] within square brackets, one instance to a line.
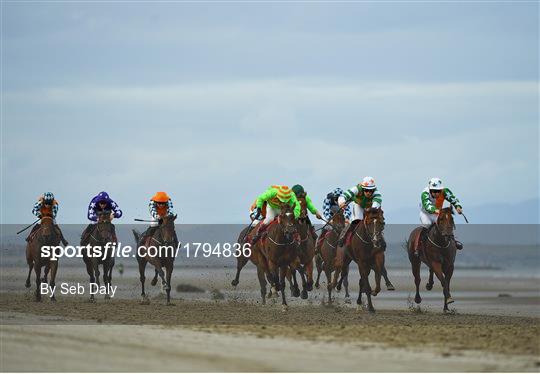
[349, 236]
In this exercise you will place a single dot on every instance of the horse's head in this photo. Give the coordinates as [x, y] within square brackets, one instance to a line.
[303, 206]
[48, 232]
[445, 222]
[168, 235]
[338, 219]
[104, 232]
[374, 222]
[286, 220]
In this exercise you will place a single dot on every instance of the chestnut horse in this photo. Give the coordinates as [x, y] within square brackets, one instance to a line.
[306, 253]
[332, 256]
[159, 250]
[280, 249]
[102, 233]
[46, 235]
[256, 258]
[437, 249]
[367, 250]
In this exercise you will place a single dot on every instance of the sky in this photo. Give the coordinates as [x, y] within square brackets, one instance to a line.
[214, 102]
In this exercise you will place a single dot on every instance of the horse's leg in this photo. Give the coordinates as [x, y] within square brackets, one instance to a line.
[305, 289]
[90, 271]
[282, 271]
[378, 267]
[142, 278]
[415, 267]
[241, 261]
[262, 282]
[46, 274]
[106, 271]
[37, 271]
[319, 266]
[154, 280]
[30, 267]
[448, 275]
[346, 284]
[364, 277]
[328, 273]
[290, 274]
[309, 275]
[389, 285]
[169, 270]
[273, 277]
[54, 268]
[429, 284]
[437, 269]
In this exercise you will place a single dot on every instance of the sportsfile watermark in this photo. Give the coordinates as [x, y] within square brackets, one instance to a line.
[194, 250]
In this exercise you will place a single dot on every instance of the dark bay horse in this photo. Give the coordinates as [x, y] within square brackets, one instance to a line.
[46, 235]
[437, 249]
[367, 250]
[306, 253]
[165, 242]
[98, 237]
[280, 249]
[332, 256]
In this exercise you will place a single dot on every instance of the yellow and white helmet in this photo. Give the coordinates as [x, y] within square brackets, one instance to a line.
[435, 184]
[368, 183]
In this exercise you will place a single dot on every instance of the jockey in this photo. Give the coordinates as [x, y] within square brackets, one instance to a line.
[432, 200]
[160, 206]
[363, 196]
[100, 203]
[299, 193]
[46, 206]
[330, 206]
[272, 198]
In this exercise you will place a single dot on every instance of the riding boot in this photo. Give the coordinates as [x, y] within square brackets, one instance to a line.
[459, 245]
[34, 229]
[59, 232]
[343, 234]
[260, 230]
[383, 245]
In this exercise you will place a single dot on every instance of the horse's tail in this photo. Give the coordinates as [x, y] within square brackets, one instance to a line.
[406, 245]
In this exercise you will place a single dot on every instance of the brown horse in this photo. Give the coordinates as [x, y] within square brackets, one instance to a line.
[46, 235]
[280, 249]
[306, 253]
[99, 236]
[332, 256]
[158, 249]
[437, 249]
[255, 257]
[367, 250]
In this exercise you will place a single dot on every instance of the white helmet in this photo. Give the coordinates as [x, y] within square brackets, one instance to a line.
[435, 184]
[368, 183]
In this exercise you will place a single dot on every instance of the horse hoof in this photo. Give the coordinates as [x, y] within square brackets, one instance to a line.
[317, 285]
[154, 282]
[304, 294]
[309, 287]
[429, 286]
[53, 299]
[145, 301]
[390, 287]
[27, 284]
[449, 300]
[338, 288]
[347, 300]
[234, 283]
[371, 310]
[295, 292]
[284, 308]
[91, 300]
[418, 299]
[374, 293]
[107, 297]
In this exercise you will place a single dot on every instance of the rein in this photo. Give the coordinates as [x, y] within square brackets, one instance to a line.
[435, 244]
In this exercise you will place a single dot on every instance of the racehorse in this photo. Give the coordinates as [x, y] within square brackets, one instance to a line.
[436, 248]
[331, 256]
[306, 253]
[280, 248]
[165, 243]
[46, 235]
[367, 250]
[99, 236]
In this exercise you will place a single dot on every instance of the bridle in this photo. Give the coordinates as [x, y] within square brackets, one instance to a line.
[373, 237]
[288, 214]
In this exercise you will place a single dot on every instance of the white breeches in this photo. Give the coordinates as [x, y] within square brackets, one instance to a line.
[271, 213]
[427, 219]
[357, 212]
